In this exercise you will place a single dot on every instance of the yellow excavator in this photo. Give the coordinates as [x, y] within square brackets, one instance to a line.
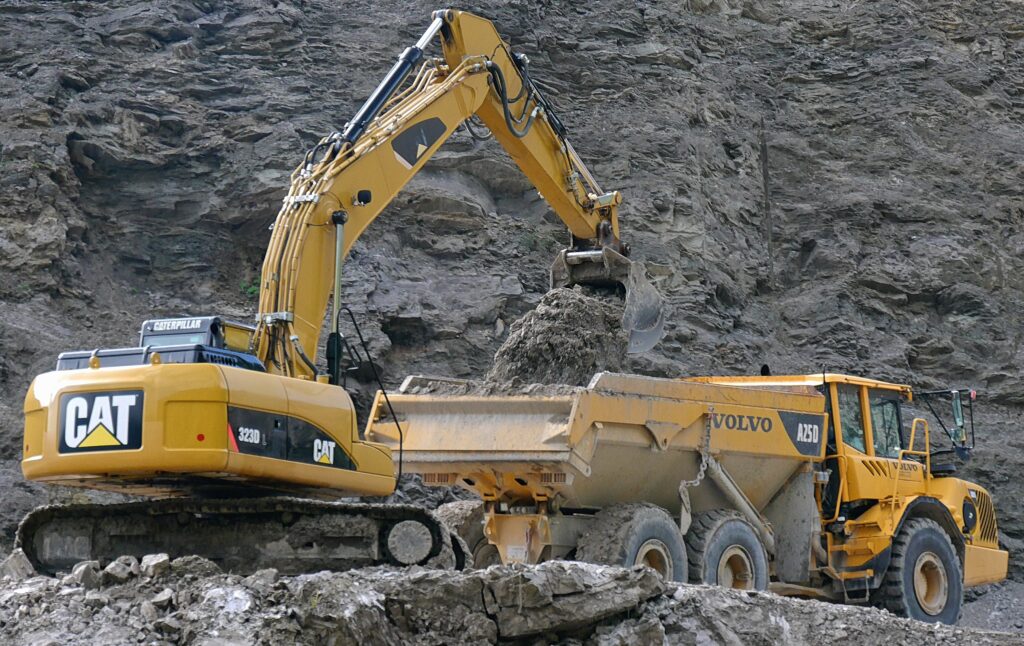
[218, 419]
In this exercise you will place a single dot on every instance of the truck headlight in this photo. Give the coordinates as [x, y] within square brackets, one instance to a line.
[970, 515]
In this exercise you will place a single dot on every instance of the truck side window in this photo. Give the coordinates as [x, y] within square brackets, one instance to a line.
[885, 424]
[850, 417]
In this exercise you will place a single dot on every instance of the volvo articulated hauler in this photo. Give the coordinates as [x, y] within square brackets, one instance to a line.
[817, 485]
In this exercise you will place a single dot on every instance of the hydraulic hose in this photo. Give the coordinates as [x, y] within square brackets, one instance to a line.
[501, 88]
[380, 384]
[302, 355]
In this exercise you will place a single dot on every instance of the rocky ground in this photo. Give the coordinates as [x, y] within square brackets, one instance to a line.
[999, 606]
[189, 600]
[814, 185]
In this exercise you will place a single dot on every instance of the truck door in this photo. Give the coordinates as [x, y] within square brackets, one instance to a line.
[845, 444]
[868, 476]
[888, 438]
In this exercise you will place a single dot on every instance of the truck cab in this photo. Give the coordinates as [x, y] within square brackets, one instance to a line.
[890, 503]
[889, 466]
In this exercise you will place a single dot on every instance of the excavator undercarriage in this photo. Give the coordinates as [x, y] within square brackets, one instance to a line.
[291, 535]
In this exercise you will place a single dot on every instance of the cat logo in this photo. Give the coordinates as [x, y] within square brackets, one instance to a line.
[323, 451]
[101, 421]
[410, 146]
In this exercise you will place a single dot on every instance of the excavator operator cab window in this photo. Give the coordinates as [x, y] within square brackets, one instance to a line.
[886, 427]
[850, 416]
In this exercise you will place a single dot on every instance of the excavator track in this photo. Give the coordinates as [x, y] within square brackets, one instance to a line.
[292, 535]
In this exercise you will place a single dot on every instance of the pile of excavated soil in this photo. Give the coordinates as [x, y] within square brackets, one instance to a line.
[189, 600]
[567, 338]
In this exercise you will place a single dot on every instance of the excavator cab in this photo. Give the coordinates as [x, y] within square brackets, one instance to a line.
[193, 339]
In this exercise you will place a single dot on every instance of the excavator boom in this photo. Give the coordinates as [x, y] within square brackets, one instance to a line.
[349, 177]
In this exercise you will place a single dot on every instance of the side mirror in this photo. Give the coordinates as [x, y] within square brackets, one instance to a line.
[958, 417]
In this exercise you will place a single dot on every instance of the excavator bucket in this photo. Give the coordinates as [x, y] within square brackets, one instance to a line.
[643, 317]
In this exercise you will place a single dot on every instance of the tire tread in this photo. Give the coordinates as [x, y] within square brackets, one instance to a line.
[890, 595]
[604, 542]
[701, 530]
[613, 529]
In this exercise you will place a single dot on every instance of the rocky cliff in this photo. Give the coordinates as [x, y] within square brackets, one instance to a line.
[813, 184]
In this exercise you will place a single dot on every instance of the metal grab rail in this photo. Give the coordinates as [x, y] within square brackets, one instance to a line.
[842, 494]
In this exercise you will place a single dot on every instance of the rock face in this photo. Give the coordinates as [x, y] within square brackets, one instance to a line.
[556, 602]
[813, 185]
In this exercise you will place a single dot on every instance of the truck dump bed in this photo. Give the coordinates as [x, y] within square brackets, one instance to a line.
[623, 438]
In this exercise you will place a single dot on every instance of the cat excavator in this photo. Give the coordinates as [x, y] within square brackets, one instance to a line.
[241, 443]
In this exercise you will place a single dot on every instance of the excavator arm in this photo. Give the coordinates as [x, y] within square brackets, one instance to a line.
[349, 177]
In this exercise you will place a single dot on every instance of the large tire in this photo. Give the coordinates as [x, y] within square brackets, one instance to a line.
[635, 534]
[465, 518]
[725, 550]
[924, 580]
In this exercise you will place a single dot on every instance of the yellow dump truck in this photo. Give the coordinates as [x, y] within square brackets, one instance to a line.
[819, 486]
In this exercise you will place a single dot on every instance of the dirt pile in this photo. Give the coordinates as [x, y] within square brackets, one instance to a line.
[190, 601]
[410, 490]
[567, 338]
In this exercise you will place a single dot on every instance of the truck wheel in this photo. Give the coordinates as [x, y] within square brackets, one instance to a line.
[465, 518]
[725, 550]
[635, 534]
[924, 580]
